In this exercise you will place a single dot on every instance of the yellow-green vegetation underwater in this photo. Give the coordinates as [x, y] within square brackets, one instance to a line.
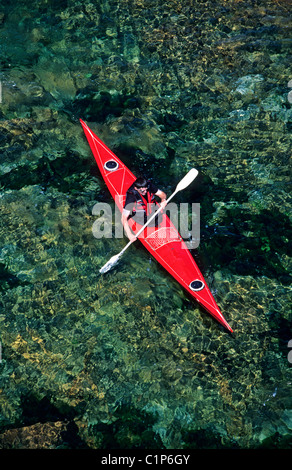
[127, 359]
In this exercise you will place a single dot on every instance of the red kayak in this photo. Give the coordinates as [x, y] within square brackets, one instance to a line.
[163, 242]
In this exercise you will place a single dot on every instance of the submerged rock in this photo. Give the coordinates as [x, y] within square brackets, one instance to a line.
[127, 359]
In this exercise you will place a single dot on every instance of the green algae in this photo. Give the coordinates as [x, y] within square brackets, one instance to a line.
[127, 359]
[132, 429]
[257, 242]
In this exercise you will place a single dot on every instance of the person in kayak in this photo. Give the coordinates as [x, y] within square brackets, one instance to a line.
[140, 204]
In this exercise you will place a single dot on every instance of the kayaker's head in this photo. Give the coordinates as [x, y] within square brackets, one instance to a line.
[141, 186]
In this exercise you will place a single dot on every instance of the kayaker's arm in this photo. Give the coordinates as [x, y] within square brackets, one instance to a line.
[162, 196]
[130, 235]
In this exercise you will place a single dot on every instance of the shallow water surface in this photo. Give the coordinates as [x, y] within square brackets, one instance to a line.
[127, 359]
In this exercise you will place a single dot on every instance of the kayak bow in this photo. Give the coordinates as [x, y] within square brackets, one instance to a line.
[163, 242]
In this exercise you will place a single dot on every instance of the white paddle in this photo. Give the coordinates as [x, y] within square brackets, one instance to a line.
[186, 181]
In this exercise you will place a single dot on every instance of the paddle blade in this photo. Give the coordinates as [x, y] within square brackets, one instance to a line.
[110, 264]
[187, 179]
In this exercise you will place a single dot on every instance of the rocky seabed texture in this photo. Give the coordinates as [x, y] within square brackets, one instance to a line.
[127, 360]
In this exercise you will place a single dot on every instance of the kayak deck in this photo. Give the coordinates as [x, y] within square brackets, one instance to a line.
[164, 242]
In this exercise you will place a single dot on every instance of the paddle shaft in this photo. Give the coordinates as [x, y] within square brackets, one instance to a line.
[187, 179]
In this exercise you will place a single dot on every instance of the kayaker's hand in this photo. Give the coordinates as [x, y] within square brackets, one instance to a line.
[132, 238]
[163, 203]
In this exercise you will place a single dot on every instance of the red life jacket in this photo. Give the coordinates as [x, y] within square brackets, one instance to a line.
[142, 209]
[143, 204]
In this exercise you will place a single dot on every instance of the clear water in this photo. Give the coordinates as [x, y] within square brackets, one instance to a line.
[127, 360]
